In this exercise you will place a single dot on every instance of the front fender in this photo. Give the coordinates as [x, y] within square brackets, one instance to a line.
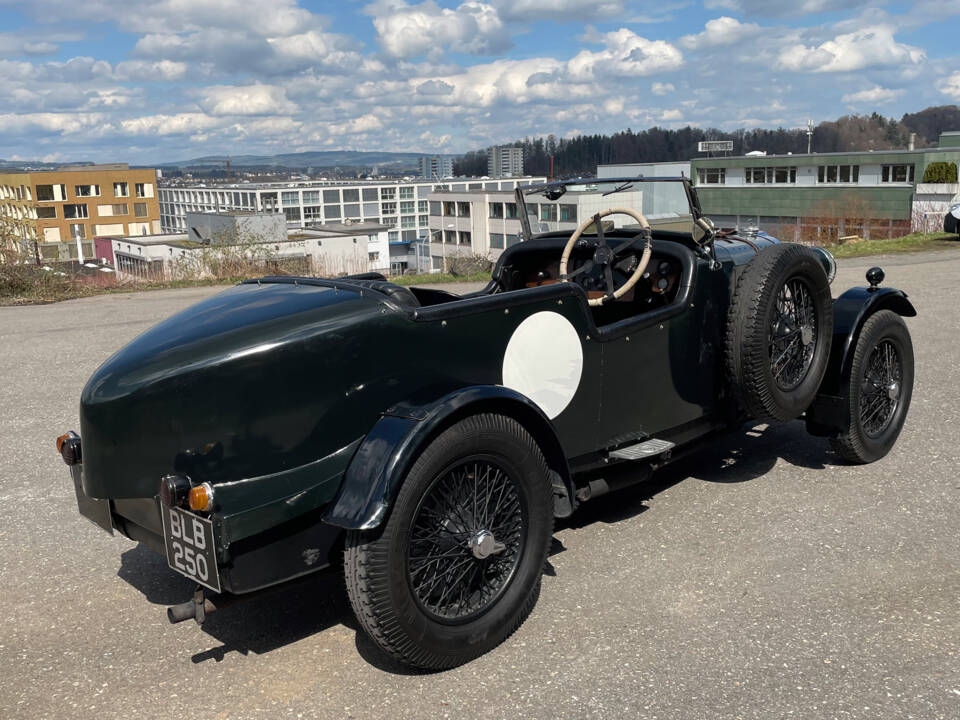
[372, 481]
[830, 412]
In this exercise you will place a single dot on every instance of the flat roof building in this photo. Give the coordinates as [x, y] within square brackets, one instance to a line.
[56, 214]
[819, 197]
[326, 251]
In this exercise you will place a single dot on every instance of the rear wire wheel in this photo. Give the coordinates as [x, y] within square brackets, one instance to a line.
[457, 566]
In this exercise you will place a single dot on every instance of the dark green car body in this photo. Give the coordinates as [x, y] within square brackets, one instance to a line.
[304, 401]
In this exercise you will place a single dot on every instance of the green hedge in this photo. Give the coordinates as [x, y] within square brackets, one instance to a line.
[940, 172]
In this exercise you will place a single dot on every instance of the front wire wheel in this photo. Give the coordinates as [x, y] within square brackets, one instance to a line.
[457, 566]
[879, 391]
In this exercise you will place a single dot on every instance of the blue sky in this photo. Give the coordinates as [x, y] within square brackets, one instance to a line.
[148, 81]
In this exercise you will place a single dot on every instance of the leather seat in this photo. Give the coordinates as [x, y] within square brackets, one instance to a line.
[399, 294]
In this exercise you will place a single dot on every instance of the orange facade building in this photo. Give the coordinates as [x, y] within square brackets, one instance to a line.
[58, 213]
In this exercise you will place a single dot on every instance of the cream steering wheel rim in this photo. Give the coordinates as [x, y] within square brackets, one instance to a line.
[641, 266]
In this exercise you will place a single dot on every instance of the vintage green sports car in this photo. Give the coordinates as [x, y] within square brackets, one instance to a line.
[428, 440]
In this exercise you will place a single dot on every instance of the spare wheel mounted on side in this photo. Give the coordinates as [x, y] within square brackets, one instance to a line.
[779, 329]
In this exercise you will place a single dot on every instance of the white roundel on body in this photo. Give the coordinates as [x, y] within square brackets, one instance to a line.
[544, 361]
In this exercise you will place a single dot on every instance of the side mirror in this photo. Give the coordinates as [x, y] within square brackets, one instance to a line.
[703, 230]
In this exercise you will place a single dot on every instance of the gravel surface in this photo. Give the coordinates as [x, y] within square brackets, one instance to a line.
[759, 578]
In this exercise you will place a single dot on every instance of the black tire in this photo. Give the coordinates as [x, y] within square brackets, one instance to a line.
[396, 599]
[870, 436]
[782, 283]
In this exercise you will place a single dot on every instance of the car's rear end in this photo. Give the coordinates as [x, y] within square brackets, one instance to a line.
[217, 437]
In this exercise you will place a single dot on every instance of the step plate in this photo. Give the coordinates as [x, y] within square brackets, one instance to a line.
[646, 449]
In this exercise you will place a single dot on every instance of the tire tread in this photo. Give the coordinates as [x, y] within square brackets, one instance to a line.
[366, 551]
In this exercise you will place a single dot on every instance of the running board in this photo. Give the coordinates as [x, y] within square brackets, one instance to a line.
[642, 451]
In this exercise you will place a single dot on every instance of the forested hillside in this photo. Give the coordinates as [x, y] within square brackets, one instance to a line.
[580, 155]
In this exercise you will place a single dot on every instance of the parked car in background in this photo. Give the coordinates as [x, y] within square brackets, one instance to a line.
[951, 221]
[426, 441]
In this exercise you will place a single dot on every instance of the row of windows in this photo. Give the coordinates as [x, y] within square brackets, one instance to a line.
[770, 175]
[838, 174]
[79, 211]
[503, 211]
[549, 213]
[786, 175]
[500, 240]
[58, 193]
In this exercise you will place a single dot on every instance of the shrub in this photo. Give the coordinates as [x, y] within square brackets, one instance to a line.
[30, 283]
[463, 265]
[940, 172]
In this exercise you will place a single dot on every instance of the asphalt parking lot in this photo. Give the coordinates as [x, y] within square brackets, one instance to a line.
[759, 578]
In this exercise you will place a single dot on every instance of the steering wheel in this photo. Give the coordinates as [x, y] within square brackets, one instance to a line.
[605, 258]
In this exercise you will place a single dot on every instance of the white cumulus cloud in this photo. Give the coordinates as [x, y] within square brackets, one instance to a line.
[872, 96]
[951, 88]
[524, 10]
[720, 32]
[256, 99]
[408, 31]
[659, 88]
[869, 47]
[625, 54]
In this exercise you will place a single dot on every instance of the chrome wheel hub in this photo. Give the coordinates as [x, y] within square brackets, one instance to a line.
[483, 544]
[893, 390]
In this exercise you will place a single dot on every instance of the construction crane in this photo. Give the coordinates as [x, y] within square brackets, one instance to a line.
[225, 163]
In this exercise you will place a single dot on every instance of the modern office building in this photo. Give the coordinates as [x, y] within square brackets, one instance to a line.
[504, 161]
[401, 206]
[819, 197]
[58, 213]
[436, 167]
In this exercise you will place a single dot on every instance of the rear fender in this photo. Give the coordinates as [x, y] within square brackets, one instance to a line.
[830, 412]
[373, 479]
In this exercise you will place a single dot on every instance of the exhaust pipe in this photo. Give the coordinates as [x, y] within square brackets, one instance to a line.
[198, 607]
[201, 605]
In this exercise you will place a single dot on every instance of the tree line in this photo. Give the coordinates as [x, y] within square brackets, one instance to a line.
[580, 155]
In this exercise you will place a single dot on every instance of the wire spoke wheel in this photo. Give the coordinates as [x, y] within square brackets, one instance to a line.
[466, 540]
[792, 334]
[880, 389]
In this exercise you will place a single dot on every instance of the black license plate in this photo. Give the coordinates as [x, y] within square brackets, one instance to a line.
[190, 548]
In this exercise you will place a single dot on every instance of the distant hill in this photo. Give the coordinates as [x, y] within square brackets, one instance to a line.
[315, 159]
[17, 165]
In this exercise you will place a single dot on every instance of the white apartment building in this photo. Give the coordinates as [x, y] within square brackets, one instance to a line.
[486, 221]
[401, 206]
[434, 168]
[504, 161]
